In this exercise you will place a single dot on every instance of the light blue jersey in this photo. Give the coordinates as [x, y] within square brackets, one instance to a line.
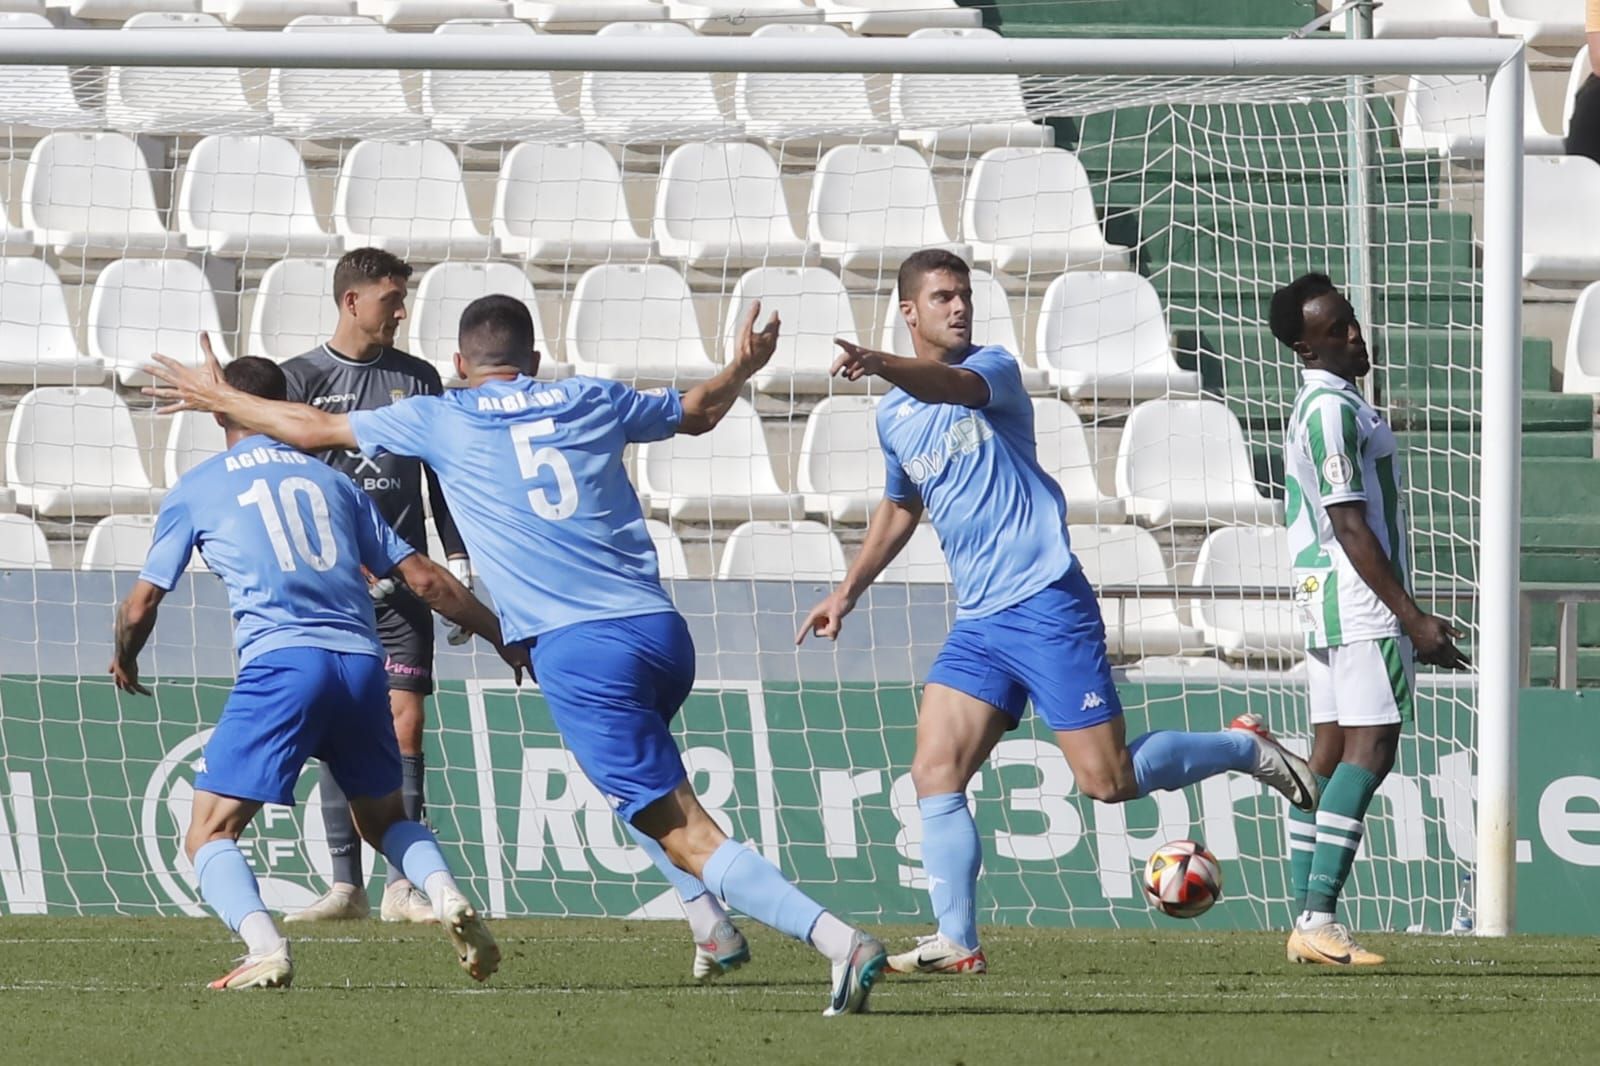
[288, 535]
[533, 474]
[1000, 518]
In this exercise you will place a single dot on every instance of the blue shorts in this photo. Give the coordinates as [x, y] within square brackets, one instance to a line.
[1051, 647]
[613, 687]
[294, 703]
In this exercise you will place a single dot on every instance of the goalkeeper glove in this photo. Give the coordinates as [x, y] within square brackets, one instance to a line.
[462, 569]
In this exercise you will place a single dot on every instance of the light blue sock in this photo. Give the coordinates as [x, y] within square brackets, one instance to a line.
[952, 854]
[1170, 759]
[753, 885]
[688, 885]
[227, 882]
[412, 848]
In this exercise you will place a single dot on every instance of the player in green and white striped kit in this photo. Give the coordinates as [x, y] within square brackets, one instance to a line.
[1364, 632]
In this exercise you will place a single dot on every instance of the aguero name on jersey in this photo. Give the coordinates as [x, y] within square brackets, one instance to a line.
[331, 382]
[288, 535]
[533, 473]
[1339, 449]
[1000, 518]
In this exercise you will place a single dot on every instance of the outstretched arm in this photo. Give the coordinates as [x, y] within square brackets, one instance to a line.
[136, 619]
[439, 589]
[891, 527]
[924, 379]
[706, 404]
[201, 388]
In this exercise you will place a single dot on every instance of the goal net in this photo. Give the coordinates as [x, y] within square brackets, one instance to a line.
[1125, 233]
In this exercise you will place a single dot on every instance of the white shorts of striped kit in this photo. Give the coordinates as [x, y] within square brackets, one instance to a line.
[1366, 682]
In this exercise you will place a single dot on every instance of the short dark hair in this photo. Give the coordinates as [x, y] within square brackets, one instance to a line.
[257, 376]
[496, 329]
[1287, 316]
[922, 263]
[362, 265]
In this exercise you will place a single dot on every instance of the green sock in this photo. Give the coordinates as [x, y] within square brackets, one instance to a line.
[1339, 828]
[1302, 844]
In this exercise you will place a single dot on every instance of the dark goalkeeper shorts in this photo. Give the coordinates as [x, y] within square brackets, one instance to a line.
[405, 626]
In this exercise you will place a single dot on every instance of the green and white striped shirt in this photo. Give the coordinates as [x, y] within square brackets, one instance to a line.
[1338, 449]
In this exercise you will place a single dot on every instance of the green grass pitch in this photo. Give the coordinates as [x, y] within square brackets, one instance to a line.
[105, 991]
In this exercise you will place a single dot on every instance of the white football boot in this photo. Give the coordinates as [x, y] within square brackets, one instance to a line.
[405, 902]
[853, 978]
[726, 951]
[1279, 767]
[341, 903]
[937, 953]
[272, 970]
[476, 950]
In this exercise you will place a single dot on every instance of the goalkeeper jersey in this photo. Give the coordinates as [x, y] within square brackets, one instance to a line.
[1339, 449]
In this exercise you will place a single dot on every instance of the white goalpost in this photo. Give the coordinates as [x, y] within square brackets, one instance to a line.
[1128, 206]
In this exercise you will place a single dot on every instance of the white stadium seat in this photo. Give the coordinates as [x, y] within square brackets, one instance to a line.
[921, 561]
[669, 550]
[179, 99]
[74, 452]
[340, 104]
[1541, 23]
[782, 551]
[1578, 74]
[797, 112]
[446, 290]
[479, 105]
[740, 16]
[814, 308]
[1581, 370]
[1104, 337]
[1560, 210]
[90, 194]
[250, 197]
[586, 16]
[119, 10]
[990, 112]
[119, 542]
[720, 206]
[140, 306]
[1241, 628]
[37, 343]
[1447, 113]
[873, 205]
[1064, 454]
[841, 472]
[407, 197]
[718, 476]
[1427, 18]
[898, 17]
[1185, 462]
[275, 14]
[645, 107]
[23, 7]
[636, 324]
[563, 205]
[1030, 211]
[40, 96]
[192, 438]
[22, 544]
[294, 309]
[423, 14]
[1139, 625]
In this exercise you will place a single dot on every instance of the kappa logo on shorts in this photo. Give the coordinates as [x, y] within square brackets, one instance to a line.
[1092, 701]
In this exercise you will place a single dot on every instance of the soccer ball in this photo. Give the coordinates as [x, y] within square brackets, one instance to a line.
[1183, 879]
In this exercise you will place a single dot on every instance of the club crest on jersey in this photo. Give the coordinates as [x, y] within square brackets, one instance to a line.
[1306, 590]
[396, 395]
[1338, 470]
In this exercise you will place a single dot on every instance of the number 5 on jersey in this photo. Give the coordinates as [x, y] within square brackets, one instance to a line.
[531, 461]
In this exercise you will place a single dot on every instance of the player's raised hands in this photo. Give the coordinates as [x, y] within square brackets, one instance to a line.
[187, 388]
[753, 348]
[855, 362]
[1434, 639]
[826, 618]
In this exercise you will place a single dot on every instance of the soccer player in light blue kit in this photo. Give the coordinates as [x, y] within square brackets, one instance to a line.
[289, 537]
[533, 473]
[957, 437]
